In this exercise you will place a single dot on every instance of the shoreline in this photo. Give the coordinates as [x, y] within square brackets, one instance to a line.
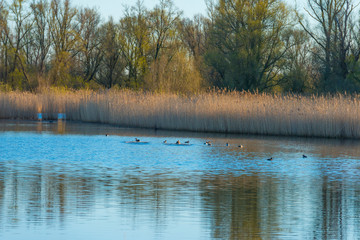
[217, 112]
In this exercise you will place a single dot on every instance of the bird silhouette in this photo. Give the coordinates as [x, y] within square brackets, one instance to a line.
[270, 159]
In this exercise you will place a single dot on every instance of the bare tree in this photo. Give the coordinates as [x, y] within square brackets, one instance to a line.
[135, 44]
[17, 40]
[111, 66]
[333, 36]
[194, 36]
[164, 19]
[41, 36]
[64, 40]
[90, 53]
[4, 33]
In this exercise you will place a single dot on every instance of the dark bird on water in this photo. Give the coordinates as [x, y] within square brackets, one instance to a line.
[270, 159]
[187, 142]
[208, 143]
[137, 140]
[304, 156]
[178, 142]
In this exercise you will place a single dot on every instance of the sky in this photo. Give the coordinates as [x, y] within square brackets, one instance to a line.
[115, 8]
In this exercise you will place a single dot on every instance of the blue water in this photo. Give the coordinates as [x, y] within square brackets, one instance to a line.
[71, 181]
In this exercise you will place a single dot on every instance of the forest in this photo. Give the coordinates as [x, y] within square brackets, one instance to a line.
[251, 45]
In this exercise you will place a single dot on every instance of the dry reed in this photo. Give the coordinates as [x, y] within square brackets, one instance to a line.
[314, 116]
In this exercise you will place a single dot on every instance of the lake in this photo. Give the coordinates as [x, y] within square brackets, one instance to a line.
[64, 180]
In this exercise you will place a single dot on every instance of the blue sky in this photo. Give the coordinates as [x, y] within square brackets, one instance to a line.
[115, 7]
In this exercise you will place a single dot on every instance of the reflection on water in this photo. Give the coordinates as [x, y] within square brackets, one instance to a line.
[71, 181]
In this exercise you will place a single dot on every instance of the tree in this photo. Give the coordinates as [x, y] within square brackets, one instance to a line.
[164, 41]
[247, 42]
[16, 41]
[298, 65]
[111, 66]
[64, 41]
[353, 60]
[4, 33]
[194, 34]
[135, 44]
[164, 19]
[334, 38]
[179, 75]
[90, 53]
[41, 40]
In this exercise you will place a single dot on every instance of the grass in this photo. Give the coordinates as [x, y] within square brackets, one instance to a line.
[236, 112]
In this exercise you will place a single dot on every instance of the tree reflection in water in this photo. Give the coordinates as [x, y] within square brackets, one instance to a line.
[177, 193]
[231, 207]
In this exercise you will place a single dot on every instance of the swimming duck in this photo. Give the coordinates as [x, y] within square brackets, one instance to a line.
[187, 142]
[304, 156]
[270, 159]
[137, 140]
[208, 143]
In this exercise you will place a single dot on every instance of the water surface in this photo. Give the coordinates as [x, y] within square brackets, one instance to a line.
[70, 181]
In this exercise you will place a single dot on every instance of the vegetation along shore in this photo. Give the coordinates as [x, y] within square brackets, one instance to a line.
[152, 67]
[225, 112]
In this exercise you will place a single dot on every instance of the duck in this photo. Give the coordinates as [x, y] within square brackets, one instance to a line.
[177, 142]
[164, 141]
[270, 159]
[187, 142]
[137, 140]
[304, 156]
[208, 143]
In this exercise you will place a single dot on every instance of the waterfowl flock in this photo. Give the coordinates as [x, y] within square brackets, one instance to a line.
[187, 143]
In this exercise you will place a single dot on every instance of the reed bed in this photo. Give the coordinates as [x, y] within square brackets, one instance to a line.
[235, 112]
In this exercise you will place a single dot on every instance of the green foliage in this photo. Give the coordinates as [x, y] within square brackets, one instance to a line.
[245, 45]
[247, 42]
[5, 87]
[134, 45]
[353, 77]
[17, 80]
[175, 75]
[60, 70]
